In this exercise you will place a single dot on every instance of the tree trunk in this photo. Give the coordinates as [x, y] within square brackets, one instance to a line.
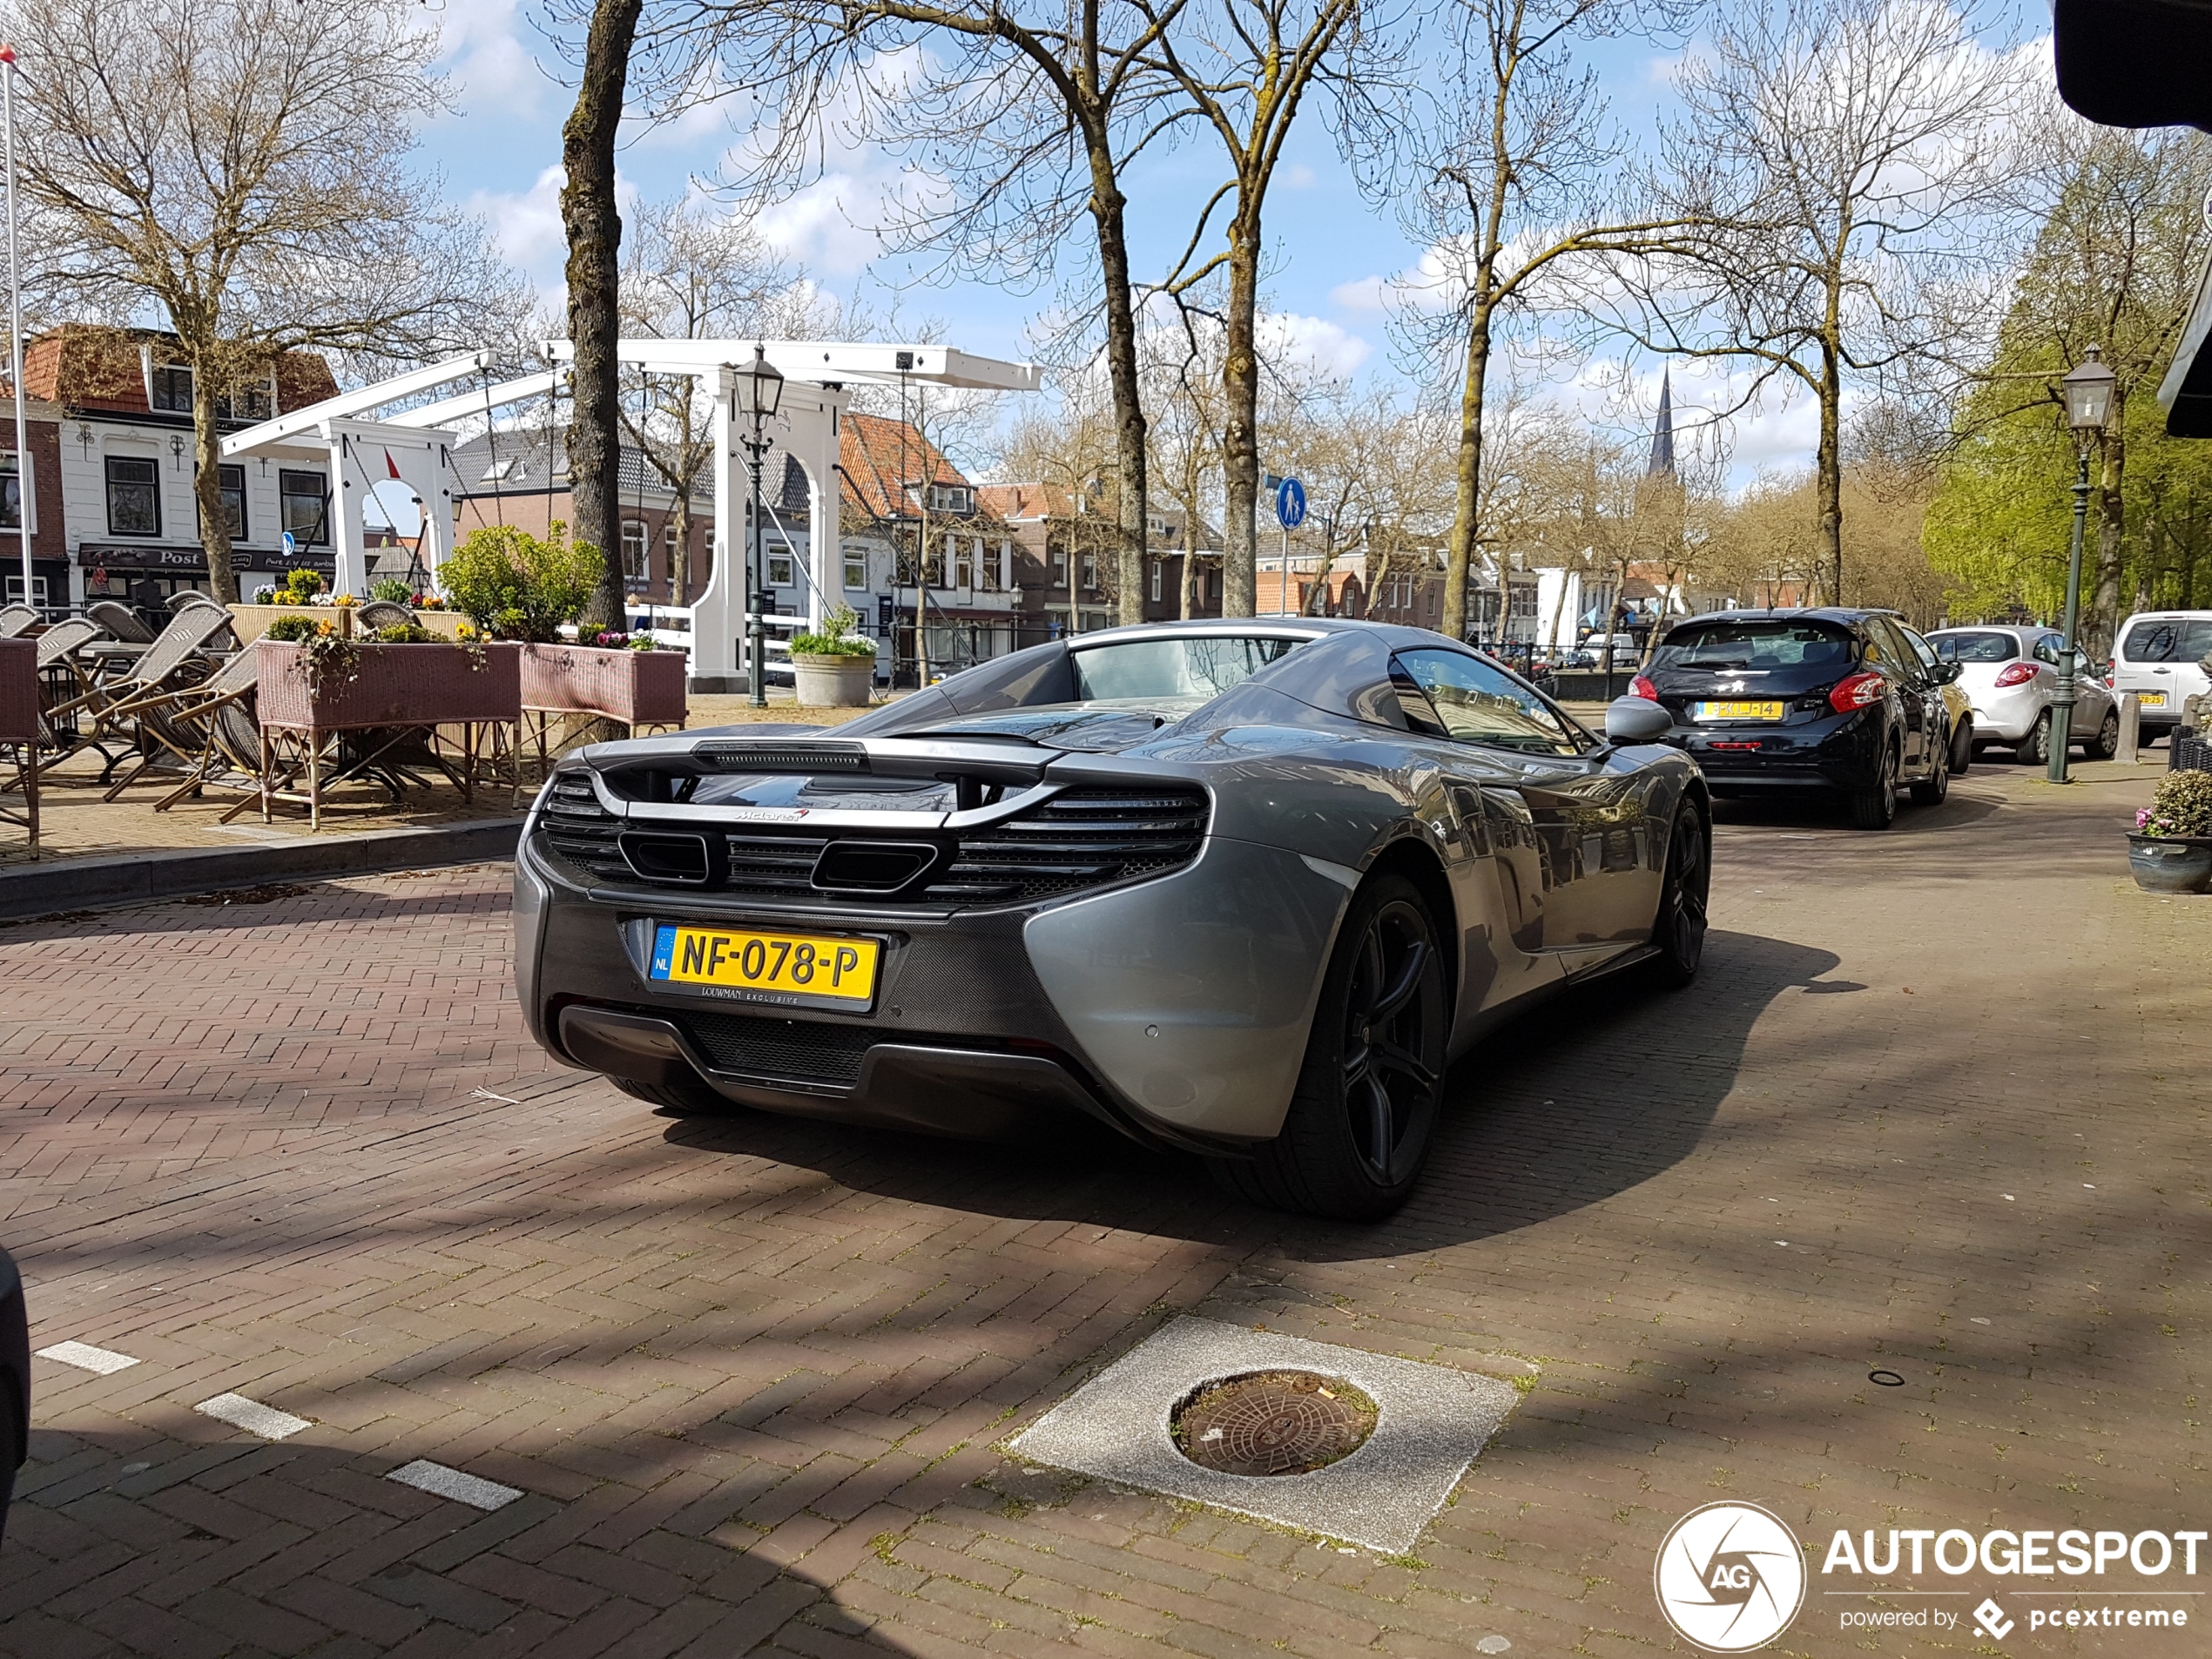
[679, 558]
[1828, 482]
[207, 488]
[1458, 559]
[593, 221]
[2101, 617]
[1240, 425]
[1106, 211]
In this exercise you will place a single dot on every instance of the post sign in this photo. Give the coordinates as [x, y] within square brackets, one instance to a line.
[1290, 504]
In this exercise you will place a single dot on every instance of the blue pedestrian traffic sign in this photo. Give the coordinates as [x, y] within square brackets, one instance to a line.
[291, 544]
[1290, 504]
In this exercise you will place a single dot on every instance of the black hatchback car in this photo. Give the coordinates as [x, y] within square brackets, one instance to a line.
[1832, 699]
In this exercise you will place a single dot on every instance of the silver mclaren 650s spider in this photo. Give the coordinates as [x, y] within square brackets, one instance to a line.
[1240, 888]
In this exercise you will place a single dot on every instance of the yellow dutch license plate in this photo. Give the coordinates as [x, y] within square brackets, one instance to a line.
[784, 964]
[2151, 699]
[1760, 711]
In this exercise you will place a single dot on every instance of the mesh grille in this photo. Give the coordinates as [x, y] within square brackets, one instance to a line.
[581, 831]
[1079, 840]
[785, 1050]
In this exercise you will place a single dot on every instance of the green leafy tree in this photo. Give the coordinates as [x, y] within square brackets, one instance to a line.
[515, 585]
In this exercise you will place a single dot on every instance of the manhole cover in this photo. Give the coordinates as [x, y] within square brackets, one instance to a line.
[1272, 1422]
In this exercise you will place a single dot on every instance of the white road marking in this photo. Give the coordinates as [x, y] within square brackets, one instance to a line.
[252, 1416]
[85, 1356]
[452, 1483]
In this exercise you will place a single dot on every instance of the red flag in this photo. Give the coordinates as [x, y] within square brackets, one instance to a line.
[390, 465]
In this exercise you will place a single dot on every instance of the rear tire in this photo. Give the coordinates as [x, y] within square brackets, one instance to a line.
[1679, 928]
[2034, 749]
[1364, 1107]
[1931, 790]
[2107, 743]
[1876, 808]
[1962, 751]
[695, 1099]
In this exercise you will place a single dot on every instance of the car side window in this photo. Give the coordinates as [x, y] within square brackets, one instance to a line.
[1464, 698]
[2047, 649]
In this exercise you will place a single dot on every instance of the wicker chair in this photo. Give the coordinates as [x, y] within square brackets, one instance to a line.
[15, 621]
[190, 597]
[121, 621]
[382, 613]
[173, 660]
[199, 735]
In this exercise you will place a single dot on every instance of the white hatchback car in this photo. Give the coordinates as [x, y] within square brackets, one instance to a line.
[2160, 659]
[2013, 676]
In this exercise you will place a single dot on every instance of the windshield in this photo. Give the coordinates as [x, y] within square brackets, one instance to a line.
[1754, 645]
[1150, 669]
[2167, 639]
[1975, 648]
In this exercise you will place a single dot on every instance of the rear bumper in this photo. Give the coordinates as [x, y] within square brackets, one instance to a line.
[1842, 752]
[1174, 1009]
[2006, 716]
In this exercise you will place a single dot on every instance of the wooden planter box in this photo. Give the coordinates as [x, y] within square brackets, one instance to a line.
[248, 622]
[396, 685]
[18, 691]
[636, 687]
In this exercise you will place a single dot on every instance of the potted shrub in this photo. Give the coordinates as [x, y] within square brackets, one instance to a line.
[526, 588]
[2171, 848]
[833, 669]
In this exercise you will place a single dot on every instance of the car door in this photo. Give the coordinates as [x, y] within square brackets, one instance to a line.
[1954, 707]
[1577, 855]
[1888, 654]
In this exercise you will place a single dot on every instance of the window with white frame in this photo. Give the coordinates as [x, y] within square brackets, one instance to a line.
[1091, 572]
[856, 568]
[1059, 566]
[994, 569]
[636, 563]
[11, 492]
[1157, 566]
[964, 563]
[780, 573]
[951, 498]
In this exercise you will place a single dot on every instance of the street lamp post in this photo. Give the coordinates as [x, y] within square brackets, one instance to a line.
[2088, 387]
[763, 390]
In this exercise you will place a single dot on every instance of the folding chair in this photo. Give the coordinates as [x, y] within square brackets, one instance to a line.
[382, 613]
[173, 659]
[15, 621]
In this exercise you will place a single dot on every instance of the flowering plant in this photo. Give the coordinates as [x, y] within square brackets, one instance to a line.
[427, 602]
[2180, 809]
[612, 641]
[345, 600]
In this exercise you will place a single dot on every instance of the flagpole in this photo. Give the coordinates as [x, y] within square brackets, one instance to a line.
[15, 324]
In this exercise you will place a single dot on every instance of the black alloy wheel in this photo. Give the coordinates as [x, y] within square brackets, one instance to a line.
[1876, 808]
[1364, 1107]
[1932, 789]
[2107, 743]
[1678, 931]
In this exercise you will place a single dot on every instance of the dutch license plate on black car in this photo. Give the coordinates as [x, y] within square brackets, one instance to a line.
[1753, 711]
[794, 965]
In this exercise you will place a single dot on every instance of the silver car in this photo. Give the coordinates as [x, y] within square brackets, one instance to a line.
[1243, 889]
[2012, 674]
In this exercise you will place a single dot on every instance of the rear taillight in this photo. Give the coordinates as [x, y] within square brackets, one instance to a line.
[1642, 686]
[1860, 692]
[2017, 674]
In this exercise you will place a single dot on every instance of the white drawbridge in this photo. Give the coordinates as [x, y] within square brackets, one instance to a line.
[416, 448]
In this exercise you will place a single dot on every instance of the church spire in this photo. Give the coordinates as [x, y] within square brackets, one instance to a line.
[1662, 432]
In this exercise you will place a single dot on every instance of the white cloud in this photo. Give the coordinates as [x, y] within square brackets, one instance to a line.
[1365, 294]
[486, 48]
[1314, 343]
[526, 225]
[1299, 176]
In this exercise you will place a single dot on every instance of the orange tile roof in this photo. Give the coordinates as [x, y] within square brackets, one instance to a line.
[880, 458]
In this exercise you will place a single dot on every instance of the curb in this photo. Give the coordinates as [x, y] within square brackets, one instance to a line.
[105, 884]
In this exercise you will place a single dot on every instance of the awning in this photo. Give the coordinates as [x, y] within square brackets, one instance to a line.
[152, 555]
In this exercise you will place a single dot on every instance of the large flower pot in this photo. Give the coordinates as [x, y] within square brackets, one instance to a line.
[394, 685]
[2171, 863]
[833, 682]
[636, 687]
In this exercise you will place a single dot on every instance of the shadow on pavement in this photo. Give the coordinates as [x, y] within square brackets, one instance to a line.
[1557, 1111]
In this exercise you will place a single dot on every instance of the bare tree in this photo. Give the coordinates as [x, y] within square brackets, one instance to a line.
[1246, 68]
[1028, 120]
[1518, 164]
[593, 221]
[1840, 158]
[691, 273]
[238, 169]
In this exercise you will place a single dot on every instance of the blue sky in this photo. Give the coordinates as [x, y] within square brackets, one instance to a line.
[1331, 248]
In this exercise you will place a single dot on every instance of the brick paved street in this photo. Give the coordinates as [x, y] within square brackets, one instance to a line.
[1938, 1105]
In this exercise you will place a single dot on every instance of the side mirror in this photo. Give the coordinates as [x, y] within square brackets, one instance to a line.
[1946, 673]
[1637, 719]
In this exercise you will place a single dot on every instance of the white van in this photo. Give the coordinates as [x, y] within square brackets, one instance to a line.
[2157, 659]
